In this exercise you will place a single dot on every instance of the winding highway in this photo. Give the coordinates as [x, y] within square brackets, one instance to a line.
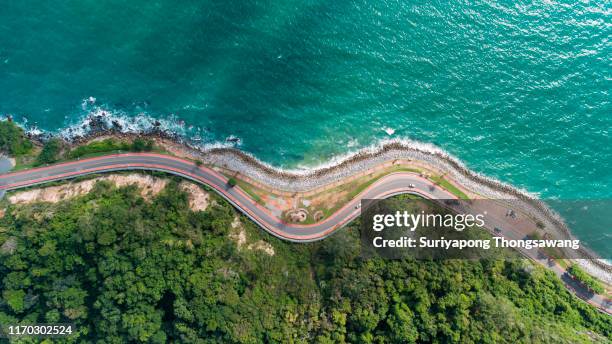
[387, 186]
[390, 185]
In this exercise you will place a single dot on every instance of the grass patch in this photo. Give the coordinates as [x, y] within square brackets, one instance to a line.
[439, 180]
[359, 186]
[96, 147]
[564, 263]
[248, 188]
[353, 189]
[111, 146]
[356, 191]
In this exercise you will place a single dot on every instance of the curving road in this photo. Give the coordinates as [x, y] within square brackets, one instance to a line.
[389, 185]
[385, 187]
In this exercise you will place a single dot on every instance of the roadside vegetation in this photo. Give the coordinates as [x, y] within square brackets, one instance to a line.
[96, 147]
[13, 140]
[50, 152]
[248, 188]
[14, 143]
[586, 279]
[123, 269]
[111, 145]
[55, 150]
[439, 180]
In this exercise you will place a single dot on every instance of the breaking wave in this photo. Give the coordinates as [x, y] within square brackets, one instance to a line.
[99, 120]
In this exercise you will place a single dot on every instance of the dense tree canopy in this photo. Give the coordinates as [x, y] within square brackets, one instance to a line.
[128, 270]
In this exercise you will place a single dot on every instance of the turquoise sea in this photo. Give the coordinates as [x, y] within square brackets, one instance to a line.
[519, 91]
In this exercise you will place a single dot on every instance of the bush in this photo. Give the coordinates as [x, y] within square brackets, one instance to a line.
[50, 152]
[13, 140]
[108, 145]
[142, 145]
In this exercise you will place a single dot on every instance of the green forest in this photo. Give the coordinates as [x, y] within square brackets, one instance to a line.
[125, 269]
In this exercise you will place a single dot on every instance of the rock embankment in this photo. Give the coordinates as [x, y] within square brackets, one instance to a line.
[302, 181]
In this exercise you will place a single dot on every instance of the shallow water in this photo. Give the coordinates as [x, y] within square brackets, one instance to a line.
[518, 91]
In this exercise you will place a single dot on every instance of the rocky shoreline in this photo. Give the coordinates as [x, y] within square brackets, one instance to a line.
[352, 164]
[301, 181]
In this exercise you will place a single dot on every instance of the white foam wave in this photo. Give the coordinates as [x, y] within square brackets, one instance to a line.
[24, 124]
[233, 139]
[100, 118]
[388, 130]
[353, 142]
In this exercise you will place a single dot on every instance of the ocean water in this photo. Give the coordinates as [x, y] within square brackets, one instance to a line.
[519, 91]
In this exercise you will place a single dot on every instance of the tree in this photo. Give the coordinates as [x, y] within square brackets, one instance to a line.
[401, 324]
[50, 151]
[15, 299]
[13, 140]
[232, 182]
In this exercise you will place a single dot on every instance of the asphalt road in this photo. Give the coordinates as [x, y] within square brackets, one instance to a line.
[387, 186]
